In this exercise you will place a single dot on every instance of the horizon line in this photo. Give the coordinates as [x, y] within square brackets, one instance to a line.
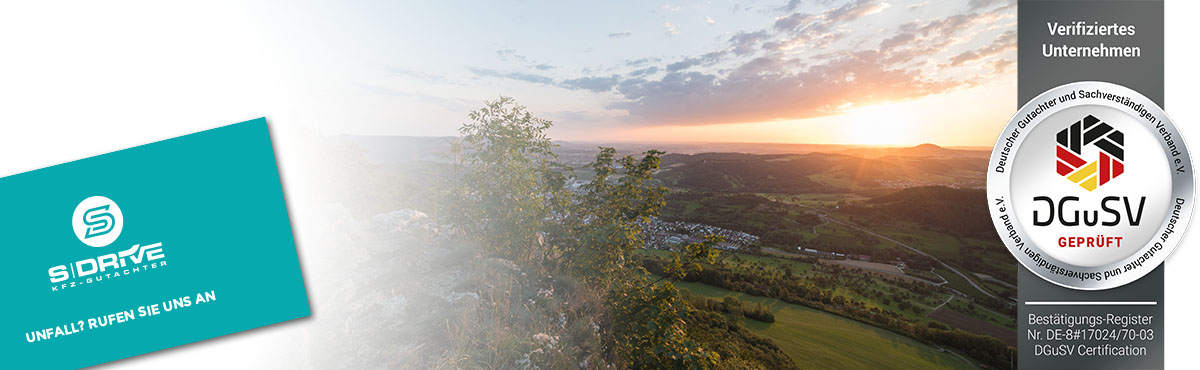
[971, 147]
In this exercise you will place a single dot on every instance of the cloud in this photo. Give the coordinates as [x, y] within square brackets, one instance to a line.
[766, 83]
[511, 55]
[799, 66]
[1004, 42]
[617, 35]
[708, 59]
[792, 5]
[941, 26]
[507, 54]
[898, 40]
[924, 37]
[1001, 65]
[983, 4]
[594, 84]
[683, 64]
[794, 20]
[817, 30]
[671, 29]
[856, 9]
[747, 42]
[644, 71]
[821, 41]
[771, 88]
[709, 20]
[821, 22]
[641, 61]
[519, 76]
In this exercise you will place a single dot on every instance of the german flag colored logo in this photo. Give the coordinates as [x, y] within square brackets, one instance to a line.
[1090, 131]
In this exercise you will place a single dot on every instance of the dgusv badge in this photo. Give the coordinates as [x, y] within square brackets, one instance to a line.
[1090, 185]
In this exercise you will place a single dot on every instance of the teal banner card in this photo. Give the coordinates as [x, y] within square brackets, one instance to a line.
[146, 248]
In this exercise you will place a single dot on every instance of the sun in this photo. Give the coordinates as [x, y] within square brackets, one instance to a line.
[885, 124]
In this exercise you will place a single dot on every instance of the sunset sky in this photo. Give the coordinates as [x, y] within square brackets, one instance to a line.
[856, 72]
[801, 71]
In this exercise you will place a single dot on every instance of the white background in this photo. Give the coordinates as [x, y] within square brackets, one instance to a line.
[105, 80]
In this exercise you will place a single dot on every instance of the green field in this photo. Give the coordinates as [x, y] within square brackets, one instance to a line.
[952, 249]
[839, 237]
[798, 268]
[835, 229]
[940, 245]
[980, 312]
[957, 282]
[818, 340]
[755, 264]
[994, 287]
[923, 274]
[747, 260]
[815, 200]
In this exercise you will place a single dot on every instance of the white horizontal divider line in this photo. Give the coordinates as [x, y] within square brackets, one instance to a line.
[1086, 303]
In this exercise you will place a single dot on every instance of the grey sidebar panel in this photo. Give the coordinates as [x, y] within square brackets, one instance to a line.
[1057, 326]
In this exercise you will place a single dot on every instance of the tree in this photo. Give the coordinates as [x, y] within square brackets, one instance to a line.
[601, 232]
[650, 329]
[507, 179]
[602, 228]
[508, 193]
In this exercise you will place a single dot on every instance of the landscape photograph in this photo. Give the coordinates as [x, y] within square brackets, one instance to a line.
[743, 185]
[830, 256]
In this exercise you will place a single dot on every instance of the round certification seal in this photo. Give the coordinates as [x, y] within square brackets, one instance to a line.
[1090, 185]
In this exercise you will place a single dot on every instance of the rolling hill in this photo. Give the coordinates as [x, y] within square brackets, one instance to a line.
[923, 165]
[960, 212]
[923, 150]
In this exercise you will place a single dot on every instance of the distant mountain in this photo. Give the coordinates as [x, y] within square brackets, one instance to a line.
[923, 150]
[816, 172]
[702, 147]
[747, 173]
[391, 149]
[385, 148]
[578, 153]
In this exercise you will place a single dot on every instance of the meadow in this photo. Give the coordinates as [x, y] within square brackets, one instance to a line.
[815, 339]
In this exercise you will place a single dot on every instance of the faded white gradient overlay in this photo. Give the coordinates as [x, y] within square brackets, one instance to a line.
[110, 77]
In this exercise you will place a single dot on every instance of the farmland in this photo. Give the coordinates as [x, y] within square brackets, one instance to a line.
[963, 321]
[833, 236]
[815, 339]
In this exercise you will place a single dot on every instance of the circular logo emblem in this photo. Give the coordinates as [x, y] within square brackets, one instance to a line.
[97, 221]
[1090, 185]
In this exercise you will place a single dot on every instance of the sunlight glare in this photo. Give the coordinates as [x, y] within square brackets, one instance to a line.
[885, 124]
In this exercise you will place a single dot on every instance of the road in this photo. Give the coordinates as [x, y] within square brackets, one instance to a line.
[823, 224]
[948, 299]
[918, 251]
[944, 281]
[997, 281]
